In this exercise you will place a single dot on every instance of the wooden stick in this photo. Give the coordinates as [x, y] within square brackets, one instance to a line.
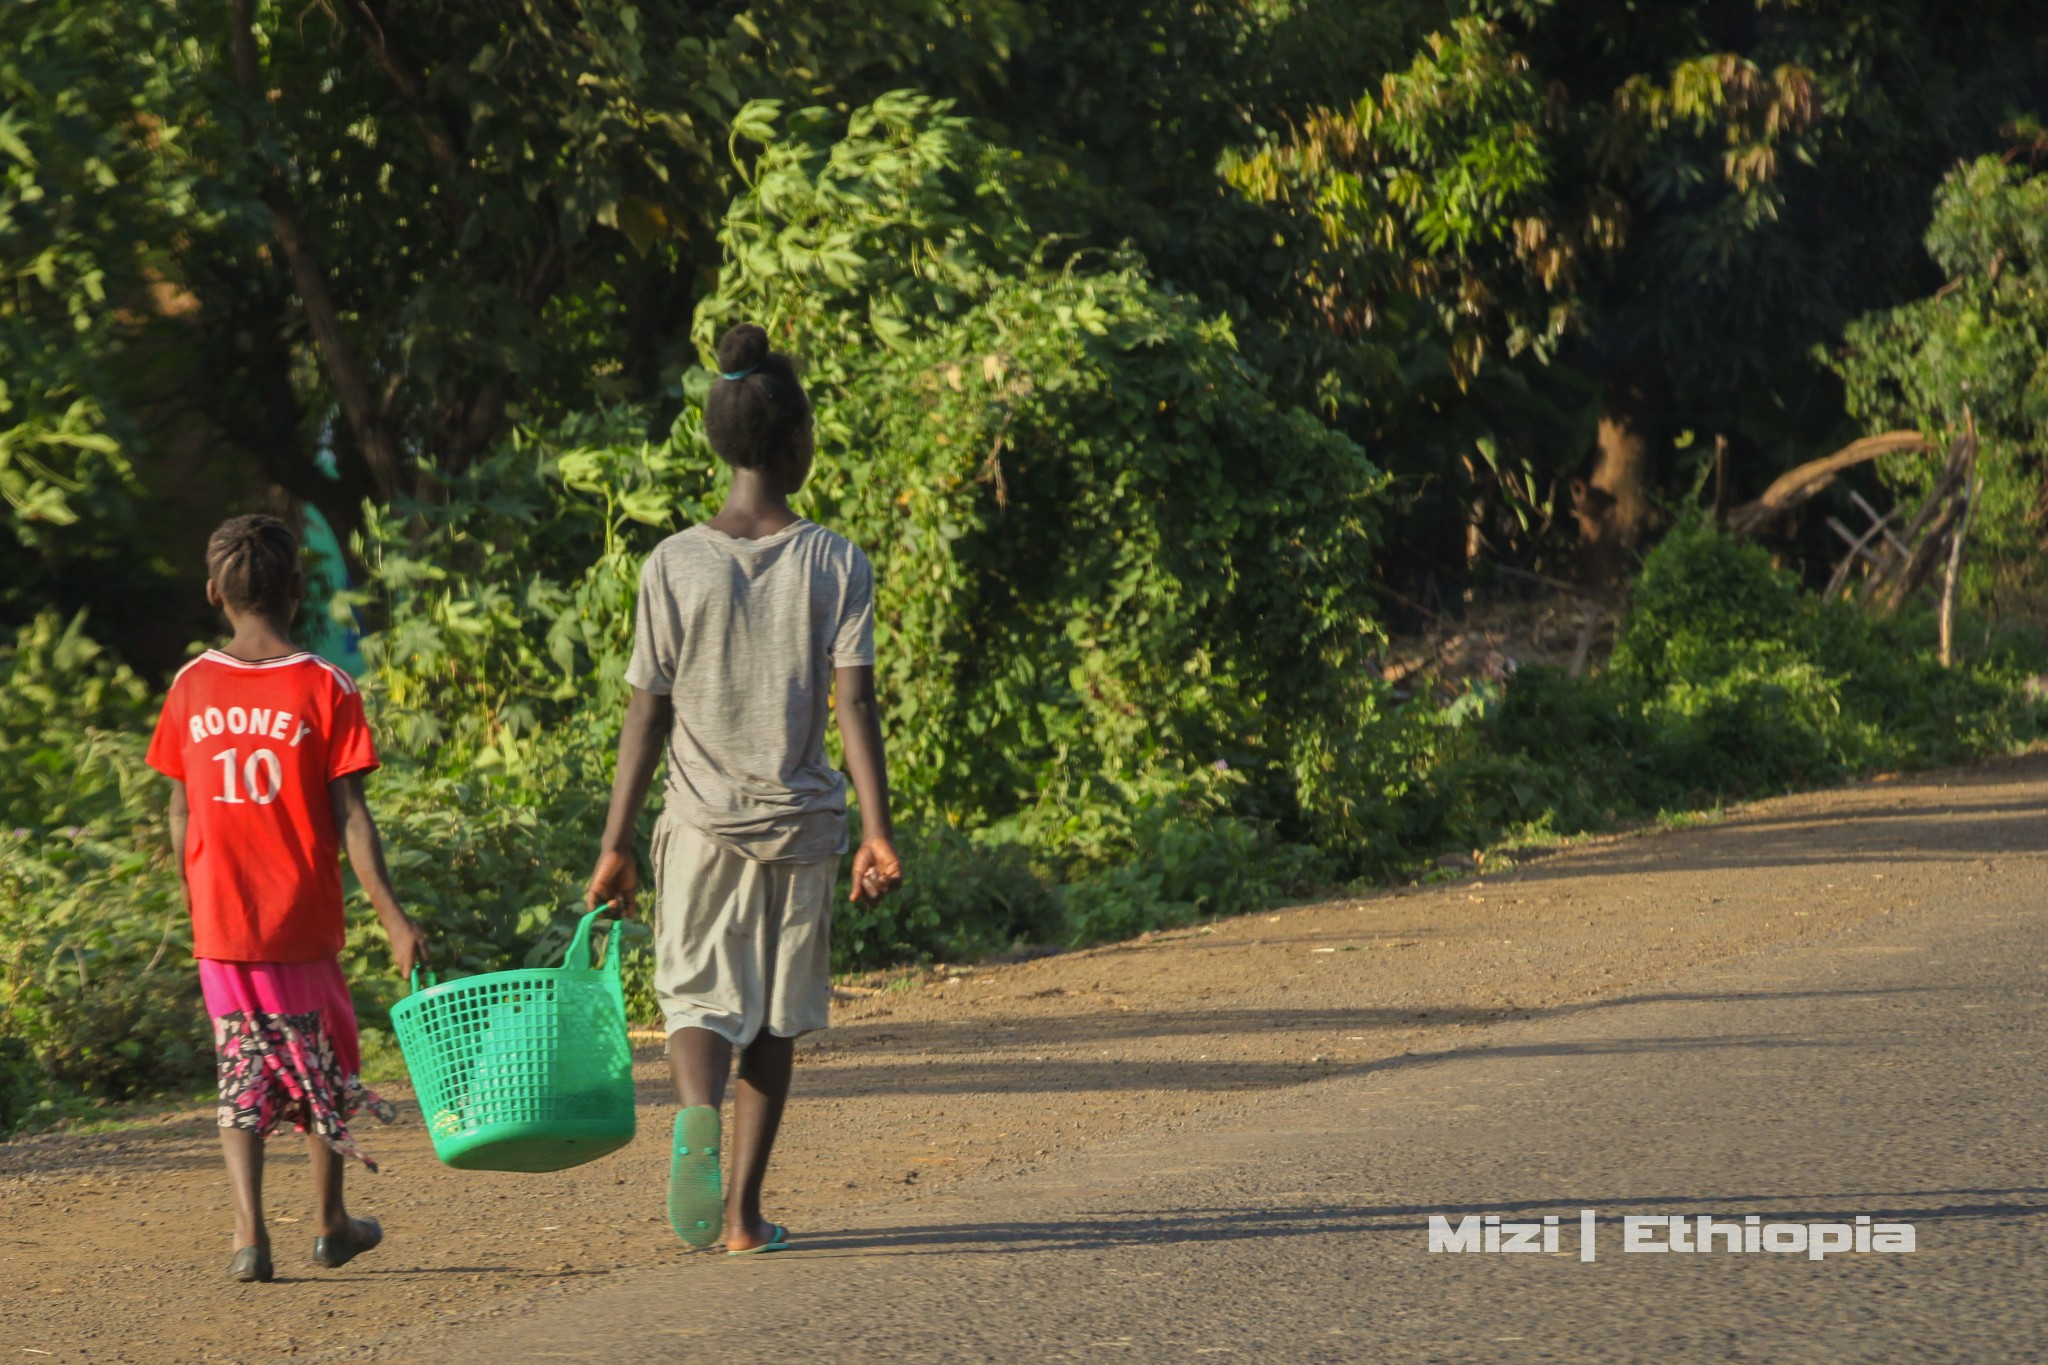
[1852, 540]
[1864, 507]
[1589, 618]
[1955, 558]
[1935, 520]
[1861, 547]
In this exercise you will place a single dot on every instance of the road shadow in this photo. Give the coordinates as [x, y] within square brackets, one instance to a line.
[955, 1057]
[1171, 1227]
[1068, 1076]
[1110, 1026]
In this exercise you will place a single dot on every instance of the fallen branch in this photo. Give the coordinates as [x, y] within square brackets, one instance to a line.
[1795, 486]
[1955, 566]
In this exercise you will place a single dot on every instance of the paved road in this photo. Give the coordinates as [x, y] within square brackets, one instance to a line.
[1894, 1071]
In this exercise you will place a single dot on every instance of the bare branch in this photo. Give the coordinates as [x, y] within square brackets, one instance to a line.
[1863, 506]
[411, 86]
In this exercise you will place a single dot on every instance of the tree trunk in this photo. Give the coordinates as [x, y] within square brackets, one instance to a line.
[345, 371]
[1614, 507]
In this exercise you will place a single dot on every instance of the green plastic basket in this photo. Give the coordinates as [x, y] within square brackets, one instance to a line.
[527, 1070]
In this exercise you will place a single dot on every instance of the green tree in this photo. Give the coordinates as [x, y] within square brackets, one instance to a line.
[247, 241]
[1676, 202]
[101, 173]
[1975, 352]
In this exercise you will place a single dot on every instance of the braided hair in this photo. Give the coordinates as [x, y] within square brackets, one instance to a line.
[254, 560]
[756, 407]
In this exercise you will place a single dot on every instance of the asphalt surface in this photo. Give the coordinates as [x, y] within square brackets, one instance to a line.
[1892, 1071]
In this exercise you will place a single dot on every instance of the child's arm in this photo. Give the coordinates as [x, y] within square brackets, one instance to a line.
[358, 831]
[876, 869]
[617, 878]
[181, 815]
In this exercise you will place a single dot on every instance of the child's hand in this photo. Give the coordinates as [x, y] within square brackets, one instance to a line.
[408, 944]
[876, 871]
[617, 880]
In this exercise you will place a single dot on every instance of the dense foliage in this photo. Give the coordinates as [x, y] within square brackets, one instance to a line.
[1973, 352]
[1730, 681]
[99, 986]
[1164, 355]
[1501, 243]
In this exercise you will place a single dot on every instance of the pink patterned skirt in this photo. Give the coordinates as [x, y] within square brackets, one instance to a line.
[284, 1040]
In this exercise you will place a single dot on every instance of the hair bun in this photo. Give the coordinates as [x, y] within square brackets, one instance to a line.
[742, 348]
[757, 407]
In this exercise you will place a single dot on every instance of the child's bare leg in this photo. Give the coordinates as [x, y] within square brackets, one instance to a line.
[765, 1068]
[244, 1152]
[330, 1210]
[700, 1061]
[339, 1238]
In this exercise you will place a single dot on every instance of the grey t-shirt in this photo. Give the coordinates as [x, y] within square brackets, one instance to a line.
[743, 636]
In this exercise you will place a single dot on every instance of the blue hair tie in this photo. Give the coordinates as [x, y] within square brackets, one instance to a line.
[736, 375]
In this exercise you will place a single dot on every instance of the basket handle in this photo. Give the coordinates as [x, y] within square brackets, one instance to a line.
[433, 979]
[578, 954]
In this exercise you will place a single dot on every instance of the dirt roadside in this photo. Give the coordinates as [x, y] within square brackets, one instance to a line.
[112, 1246]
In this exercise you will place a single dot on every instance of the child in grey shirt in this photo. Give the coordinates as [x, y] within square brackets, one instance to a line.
[745, 627]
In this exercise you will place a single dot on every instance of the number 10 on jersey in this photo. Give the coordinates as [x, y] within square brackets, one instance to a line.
[262, 776]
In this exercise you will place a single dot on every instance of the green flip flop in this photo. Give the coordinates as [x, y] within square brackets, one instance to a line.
[696, 1205]
[778, 1240]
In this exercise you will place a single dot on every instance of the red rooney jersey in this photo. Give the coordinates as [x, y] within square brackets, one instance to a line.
[256, 745]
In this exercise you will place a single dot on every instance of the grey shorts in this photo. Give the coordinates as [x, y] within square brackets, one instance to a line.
[739, 946]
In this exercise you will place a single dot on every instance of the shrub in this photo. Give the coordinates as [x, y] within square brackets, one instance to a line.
[1729, 682]
[94, 940]
[966, 897]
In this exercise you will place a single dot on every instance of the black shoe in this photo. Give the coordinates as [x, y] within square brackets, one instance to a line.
[251, 1266]
[336, 1252]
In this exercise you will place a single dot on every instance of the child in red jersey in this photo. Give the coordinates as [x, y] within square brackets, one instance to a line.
[266, 747]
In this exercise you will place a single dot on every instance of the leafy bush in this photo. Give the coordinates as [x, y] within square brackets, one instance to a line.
[1184, 866]
[94, 940]
[20, 1082]
[966, 897]
[1730, 682]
